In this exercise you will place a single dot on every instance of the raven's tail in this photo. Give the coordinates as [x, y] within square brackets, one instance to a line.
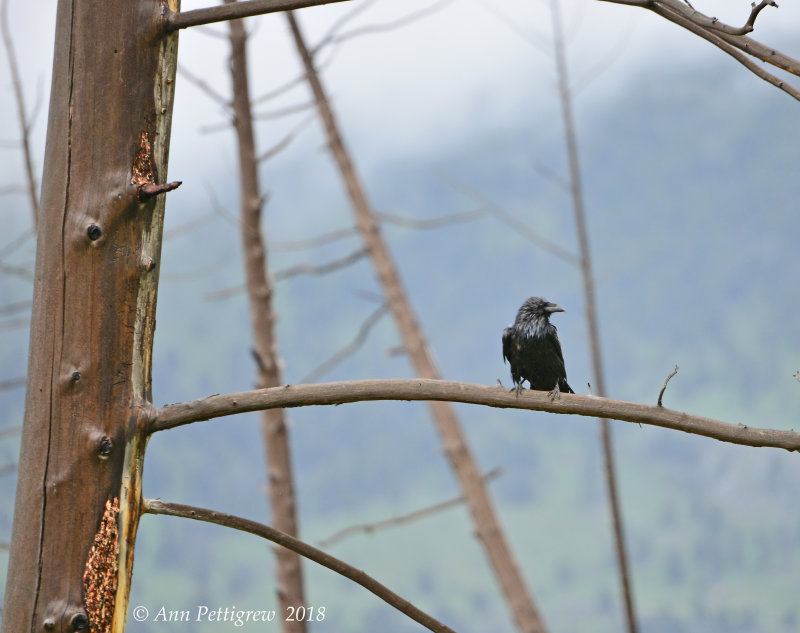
[564, 386]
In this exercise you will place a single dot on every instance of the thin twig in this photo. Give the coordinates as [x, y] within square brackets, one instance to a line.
[188, 227]
[17, 242]
[664, 388]
[11, 430]
[156, 506]
[676, 11]
[432, 223]
[520, 227]
[18, 306]
[24, 122]
[286, 140]
[6, 469]
[382, 27]
[426, 389]
[12, 383]
[371, 528]
[797, 375]
[285, 111]
[322, 269]
[319, 240]
[236, 11]
[338, 24]
[225, 293]
[351, 348]
[15, 324]
[203, 86]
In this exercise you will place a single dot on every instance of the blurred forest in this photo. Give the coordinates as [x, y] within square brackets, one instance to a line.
[690, 175]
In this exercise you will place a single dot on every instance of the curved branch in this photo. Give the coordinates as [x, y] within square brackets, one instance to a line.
[322, 269]
[173, 415]
[408, 517]
[685, 16]
[156, 506]
[350, 348]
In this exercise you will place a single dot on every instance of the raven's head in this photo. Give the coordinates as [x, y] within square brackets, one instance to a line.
[535, 313]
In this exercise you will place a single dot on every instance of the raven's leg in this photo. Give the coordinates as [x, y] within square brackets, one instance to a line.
[555, 394]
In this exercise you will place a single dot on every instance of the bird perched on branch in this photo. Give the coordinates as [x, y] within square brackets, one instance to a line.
[533, 351]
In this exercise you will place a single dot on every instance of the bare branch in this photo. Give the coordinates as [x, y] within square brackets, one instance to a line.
[281, 112]
[426, 389]
[705, 26]
[369, 528]
[379, 28]
[156, 506]
[550, 175]
[664, 388]
[510, 220]
[7, 469]
[723, 42]
[216, 127]
[797, 375]
[349, 349]
[15, 324]
[11, 430]
[17, 271]
[432, 223]
[245, 9]
[24, 124]
[225, 293]
[338, 24]
[18, 306]
[5, 545]
[188, 227]
[12, 383]
[307, 269]
[319, 240]
[18, 241]
[537, 39]
[203, 86]
[10, 189]
[287, 273]
[286, 140]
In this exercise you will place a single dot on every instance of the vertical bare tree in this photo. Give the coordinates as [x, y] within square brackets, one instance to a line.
[590, 305]
[22, 114]
[88, 385]
[487, 527]
[265, 349]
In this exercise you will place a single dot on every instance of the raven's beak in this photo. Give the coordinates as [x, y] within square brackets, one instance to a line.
[552, 307]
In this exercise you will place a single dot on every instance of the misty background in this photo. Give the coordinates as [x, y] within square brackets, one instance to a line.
[690, 173]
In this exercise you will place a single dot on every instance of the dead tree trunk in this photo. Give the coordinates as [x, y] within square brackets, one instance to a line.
[259, 290]
[487, 526]
[576, 193]
[88, 391]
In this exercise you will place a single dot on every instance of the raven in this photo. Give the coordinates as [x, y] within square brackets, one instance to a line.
[532, 349]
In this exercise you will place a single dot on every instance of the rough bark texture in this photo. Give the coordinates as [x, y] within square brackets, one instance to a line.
[93, 318]
[487, 527]
[262, 317]
[576, 192]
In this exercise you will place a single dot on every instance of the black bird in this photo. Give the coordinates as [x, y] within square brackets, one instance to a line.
[532, 349]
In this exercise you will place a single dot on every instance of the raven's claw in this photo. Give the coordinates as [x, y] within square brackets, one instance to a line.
[555, 394]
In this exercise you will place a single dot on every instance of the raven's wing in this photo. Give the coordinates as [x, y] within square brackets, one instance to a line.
[555, 344]
[508, 344]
